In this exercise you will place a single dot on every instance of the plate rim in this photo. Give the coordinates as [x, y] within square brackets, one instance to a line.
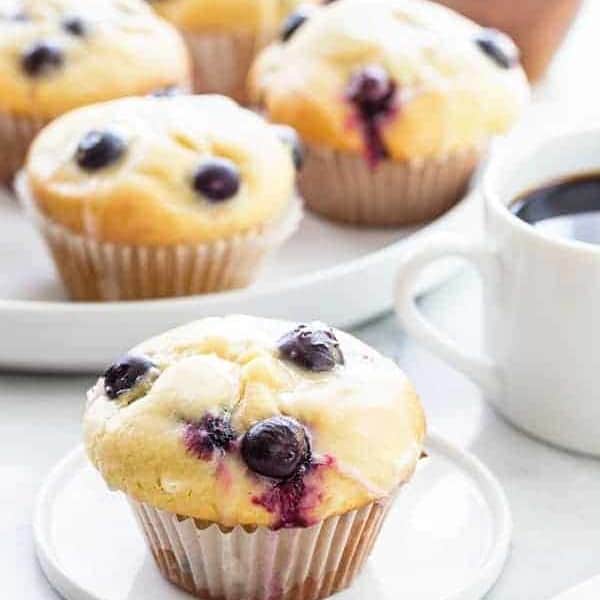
[480, 583]
[21, 306]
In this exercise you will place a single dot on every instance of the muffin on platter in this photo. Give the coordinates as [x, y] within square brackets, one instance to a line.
[153, 197]
[56, 55]
[260, 456]
[224, 36]
[395, 99]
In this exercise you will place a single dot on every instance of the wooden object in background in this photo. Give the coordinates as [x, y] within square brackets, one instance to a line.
[537, 26]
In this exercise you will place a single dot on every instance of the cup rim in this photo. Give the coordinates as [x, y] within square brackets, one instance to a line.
[495, 203]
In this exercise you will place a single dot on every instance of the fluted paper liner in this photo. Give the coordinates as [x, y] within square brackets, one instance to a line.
[16, 134]
[343, 187]
[96, 270]
[221, 61]
[217, 563]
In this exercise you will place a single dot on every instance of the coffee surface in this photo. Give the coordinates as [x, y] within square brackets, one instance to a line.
[568, 208]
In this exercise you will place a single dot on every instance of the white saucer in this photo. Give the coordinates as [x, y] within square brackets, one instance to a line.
[447, 537]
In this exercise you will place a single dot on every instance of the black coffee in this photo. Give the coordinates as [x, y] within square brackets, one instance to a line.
[568, 208]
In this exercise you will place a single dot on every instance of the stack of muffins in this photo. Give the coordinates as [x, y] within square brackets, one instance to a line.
[260, 457]
[394, 103]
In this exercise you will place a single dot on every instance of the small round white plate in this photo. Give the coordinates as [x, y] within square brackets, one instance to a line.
[447, 537]
[340, 275]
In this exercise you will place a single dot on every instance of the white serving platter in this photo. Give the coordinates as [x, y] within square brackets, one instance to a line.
[447, 537]
[340, 275]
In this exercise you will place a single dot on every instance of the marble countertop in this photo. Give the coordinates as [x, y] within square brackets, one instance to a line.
[555, 496]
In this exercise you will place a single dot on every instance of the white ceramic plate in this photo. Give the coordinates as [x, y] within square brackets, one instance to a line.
[589, 590]
[337, 274]
[446, 538]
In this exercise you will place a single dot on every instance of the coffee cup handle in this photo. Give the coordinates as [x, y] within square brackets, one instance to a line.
[480, 369]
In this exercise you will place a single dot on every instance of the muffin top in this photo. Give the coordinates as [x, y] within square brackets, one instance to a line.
[240, 420]
[398, 79]
[56, 55]
[161, 171]
[225, 15]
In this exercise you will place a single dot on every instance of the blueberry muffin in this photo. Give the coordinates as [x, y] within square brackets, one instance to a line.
[224, 36]
[56, 55]
[150, 197]
[395, 99]
[260, 456]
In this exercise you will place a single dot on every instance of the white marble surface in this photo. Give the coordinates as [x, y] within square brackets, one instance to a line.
[555, 496]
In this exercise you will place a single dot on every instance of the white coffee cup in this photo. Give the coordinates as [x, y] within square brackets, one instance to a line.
[541, 361]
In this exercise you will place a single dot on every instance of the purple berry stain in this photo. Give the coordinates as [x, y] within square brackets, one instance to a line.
[372, 94]
[294, 499]
[211, 434]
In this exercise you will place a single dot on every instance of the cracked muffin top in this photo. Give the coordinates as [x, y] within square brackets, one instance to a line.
[398, 79]
[240, 420]
[225, 15]
[56, 55]
[169, 170]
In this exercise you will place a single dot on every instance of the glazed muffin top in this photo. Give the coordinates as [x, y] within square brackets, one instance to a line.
[161, 171]
[56, 55]
[241, 420]
[225, 15]
[399, 79]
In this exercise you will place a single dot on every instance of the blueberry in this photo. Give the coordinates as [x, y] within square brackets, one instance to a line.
[499, 47]
[167, 92]
[75, 26]
[290, 138]
[125, 374]
[371, 89]
[99, 149]
[41, 58]
[293, 22]
[217, 179]
[277, 447]
[313, 347]
[210, 434]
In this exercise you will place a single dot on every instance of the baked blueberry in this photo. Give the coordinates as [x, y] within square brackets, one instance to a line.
[124, 375]
[277, 447]
[372, 93]
[75, 26]
[217, 179]
[293, 22]
[290, 138]
[371, 90]
[99, 149]
[499, 47]
[210, 434]
[314, 347]
[42, 58]
[167, 92]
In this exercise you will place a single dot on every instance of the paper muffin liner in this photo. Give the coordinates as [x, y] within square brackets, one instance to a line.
[221, 61]
[95, 270]
[343, 187]
[217, 563]
[16, 134]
